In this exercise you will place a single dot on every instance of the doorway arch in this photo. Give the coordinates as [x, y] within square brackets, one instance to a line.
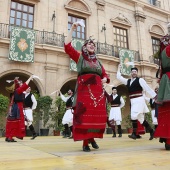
[23, 75]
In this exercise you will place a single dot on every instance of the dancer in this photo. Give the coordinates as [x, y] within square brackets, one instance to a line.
[154, 109]
[15, 126]
[163, 98]
[135, 87]
[67, 120]
[117, 102]
[89, 119]
[30, 104]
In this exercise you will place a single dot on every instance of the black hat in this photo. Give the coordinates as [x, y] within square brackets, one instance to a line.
[134, 68]
[114, 88]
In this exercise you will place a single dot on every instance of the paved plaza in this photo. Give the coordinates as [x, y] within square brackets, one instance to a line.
[57, 153]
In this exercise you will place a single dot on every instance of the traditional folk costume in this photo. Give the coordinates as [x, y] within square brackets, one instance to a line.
[15, 126]
[30, 104]
[89, 119]
[138, 106]
[117, 102]
[153, 106]
[163, 99]
[67, 120]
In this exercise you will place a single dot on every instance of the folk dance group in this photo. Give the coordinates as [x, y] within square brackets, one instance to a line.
[89, 100]
[86, 114]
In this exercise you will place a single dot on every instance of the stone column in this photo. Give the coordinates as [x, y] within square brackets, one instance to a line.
[140, 23]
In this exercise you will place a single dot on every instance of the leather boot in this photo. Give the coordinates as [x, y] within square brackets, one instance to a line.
[132, 136]
[34, 135]
[114, 133]
[134, 125]
[119, 131]
[148, 127]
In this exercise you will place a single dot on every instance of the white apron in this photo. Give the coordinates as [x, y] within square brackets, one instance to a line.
[68, 118]
[138, 108]
[115, 113]
[28, 114]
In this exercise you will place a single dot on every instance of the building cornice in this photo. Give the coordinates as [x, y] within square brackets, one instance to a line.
[149, 6]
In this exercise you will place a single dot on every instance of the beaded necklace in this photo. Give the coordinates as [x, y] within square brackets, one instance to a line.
[95, 101]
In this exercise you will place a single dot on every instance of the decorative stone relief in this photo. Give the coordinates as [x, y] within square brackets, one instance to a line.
[78, 6]
[157, 29]
[100, 4]
[121, 19]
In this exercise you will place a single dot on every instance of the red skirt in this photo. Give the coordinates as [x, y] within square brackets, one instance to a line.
[140, 129]
[163, 129]
[89, 120]
[16, 128]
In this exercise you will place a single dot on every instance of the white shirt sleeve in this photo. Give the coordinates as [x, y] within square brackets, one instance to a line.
[63, 97]
[122, 102]
[121, 78]
[146, 88]
[34, 105]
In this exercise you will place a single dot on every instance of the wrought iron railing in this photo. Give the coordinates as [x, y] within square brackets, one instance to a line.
[52, 38]
[42, 37]
[106, 49]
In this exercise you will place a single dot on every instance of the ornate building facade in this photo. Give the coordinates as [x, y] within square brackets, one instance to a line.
[136, 25]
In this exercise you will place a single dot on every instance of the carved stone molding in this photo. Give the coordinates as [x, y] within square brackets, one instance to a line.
[100, 4]
[49, 68]
[140, 17]
[79, 6]
[157, 29]
[121, 20]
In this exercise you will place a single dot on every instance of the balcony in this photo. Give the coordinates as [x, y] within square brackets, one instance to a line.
[42, 37]
[52, 38]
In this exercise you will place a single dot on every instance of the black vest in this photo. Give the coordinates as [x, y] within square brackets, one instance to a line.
[116, 100]
[152, 104]
[18, 97]
[27, 101]
[69, 102]
[135, 86]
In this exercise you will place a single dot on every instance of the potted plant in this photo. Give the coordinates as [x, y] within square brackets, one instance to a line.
[4, 103]
[56, 115]
[42, 112]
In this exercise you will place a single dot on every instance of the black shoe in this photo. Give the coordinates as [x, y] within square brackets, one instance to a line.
[34, 136]
[132, 136]
[113, 136]
[151, 134]
[11, 140]
[167, 147]
[162, 140]
[94, 145]
[21, 138]
[71, 137]
[86, 148]
[138, 137]
[6, 139]
[120, 135]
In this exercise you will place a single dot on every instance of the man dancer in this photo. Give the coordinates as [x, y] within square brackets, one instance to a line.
[135, 87]
[30, 104]
[154, 109]
[117, 102]
[67, 120]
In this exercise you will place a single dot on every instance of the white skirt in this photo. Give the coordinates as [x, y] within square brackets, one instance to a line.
[138, 106]
[29, 116]
[68, 118]
[115, 113]
[154, 119]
